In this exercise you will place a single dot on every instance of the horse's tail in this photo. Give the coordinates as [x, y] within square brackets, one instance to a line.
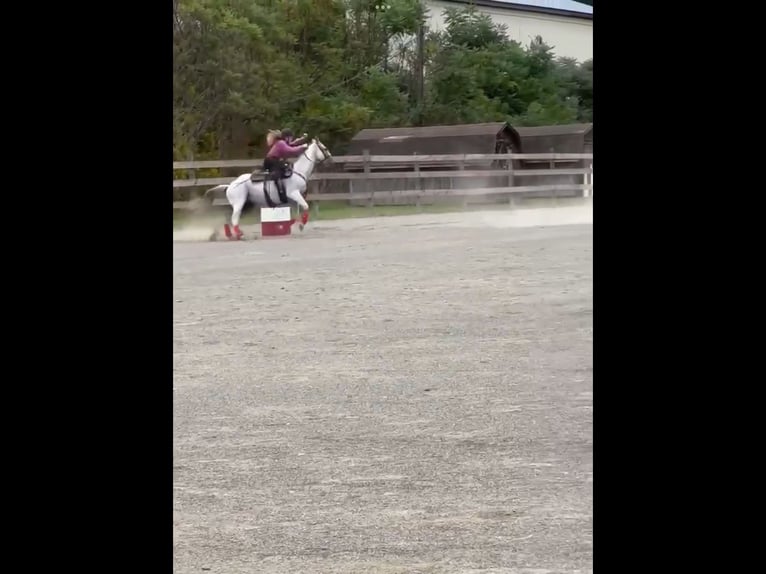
[211, 193]
[216, 189]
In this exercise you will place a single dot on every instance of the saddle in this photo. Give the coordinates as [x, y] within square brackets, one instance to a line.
[278, 173]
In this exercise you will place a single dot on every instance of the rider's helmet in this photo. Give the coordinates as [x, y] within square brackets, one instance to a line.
[287, 134]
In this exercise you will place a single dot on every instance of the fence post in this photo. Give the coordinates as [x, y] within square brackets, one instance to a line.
[191, 174]
[552, 165]
[512, 198]
[418, 185]
[316, 185]
[461, 167]
[366, 180]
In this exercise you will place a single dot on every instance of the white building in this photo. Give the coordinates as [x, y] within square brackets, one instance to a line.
[563, 24]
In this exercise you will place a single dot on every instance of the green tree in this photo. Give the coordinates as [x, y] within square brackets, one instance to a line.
[333, 67]
[500, 79]
[219, 76]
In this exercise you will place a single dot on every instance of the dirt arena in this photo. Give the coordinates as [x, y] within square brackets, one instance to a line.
[394, 395]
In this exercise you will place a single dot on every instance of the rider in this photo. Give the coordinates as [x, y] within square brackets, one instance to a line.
[287, 135]
[275, 162]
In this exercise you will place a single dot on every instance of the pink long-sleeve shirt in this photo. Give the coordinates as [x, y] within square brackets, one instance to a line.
[281, 150]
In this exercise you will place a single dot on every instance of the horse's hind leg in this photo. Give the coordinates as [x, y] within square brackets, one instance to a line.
[237, 233]
[227, 227]
[237, 199]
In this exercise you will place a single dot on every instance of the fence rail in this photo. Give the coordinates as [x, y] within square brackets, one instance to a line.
[364, 172]
[406, 159]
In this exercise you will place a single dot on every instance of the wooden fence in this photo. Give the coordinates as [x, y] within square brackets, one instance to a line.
[455, 167]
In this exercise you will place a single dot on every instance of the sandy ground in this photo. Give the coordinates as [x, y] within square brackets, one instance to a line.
[396, 395]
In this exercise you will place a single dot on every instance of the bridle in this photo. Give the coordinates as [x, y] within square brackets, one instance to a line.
[324, 151]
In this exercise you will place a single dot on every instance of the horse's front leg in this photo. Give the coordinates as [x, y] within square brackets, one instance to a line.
[303, 208]
[303, 215]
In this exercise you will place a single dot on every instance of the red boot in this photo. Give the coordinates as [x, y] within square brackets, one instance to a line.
[237, 232]
[227, 231]
[305, 217]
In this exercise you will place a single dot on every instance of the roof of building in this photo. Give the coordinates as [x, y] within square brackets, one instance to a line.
[568, 5]
[394, 134]
[563, 129]
[559, 7]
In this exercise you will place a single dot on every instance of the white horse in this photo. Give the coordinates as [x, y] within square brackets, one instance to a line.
[243, 192]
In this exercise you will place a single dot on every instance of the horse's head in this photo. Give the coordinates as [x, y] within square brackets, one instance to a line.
[321, 153]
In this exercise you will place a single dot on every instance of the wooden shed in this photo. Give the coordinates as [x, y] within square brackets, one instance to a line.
[486, 138]
[566, 138]
[494, 137]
